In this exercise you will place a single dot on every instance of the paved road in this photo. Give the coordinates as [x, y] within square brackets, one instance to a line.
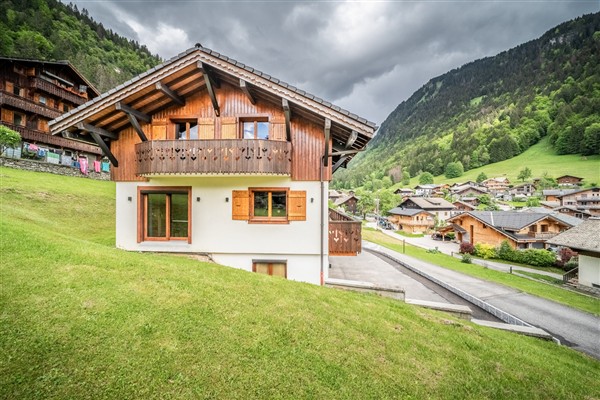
[573, 327]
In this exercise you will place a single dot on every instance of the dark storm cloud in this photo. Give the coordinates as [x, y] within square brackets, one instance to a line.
[364, 56]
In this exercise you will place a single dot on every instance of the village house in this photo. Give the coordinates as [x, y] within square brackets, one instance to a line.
[496, 185]
[569, 180]
[411, 220]
[523, 190]
[553, 195]
[34, 92]
[468, 191]
[404, 192]
[584, 240]
[425, 190]
[349, 202]
[461, 206]
[587, 200]
[440, 208]
[521, 229]
[573, 212]
[212, 156]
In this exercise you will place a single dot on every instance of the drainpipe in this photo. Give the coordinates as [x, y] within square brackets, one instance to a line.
[324, 163]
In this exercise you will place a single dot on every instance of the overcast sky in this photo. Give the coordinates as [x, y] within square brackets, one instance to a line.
[366, 57]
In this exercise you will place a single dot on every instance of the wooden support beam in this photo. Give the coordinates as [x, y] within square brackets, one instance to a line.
[339, 163]
[129, 110]
[246, 89]
[105, 149]
[210, 87]
[136, 126]
[327, 131]
[351, 139]
[288, 116]
[82, 126]
[170, 94]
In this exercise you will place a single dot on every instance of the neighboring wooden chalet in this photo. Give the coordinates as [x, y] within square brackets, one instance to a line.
[585, 199]
[520, 229]
[584, 240]
[468, 191]
[411, 220]
[524, 190]
[440, 208]
[573, 212]
[347, 201]
[569, 180]
[426, 190]
[496, 185]
[34, 92]
[404, 192]
[461, 206]
[555, 194]
[213, 156]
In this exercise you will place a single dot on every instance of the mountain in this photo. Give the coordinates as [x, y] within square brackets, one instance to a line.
[51, 30]
[495, 108]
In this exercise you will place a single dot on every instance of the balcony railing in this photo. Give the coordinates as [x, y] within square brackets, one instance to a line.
[345, 235]
[58, 91]
[25, 104]
[542, 235]
[39, 137]
[222, 156]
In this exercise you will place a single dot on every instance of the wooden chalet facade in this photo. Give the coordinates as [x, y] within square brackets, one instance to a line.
[587, 200]
[411, 220]
[521, 229]
[569, 180]
[212, 156]
[496, 185]
[32, 93]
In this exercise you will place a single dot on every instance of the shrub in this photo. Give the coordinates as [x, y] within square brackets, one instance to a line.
[466, 258]
[572, 263]
[566, 254]
[466, 247]
[485, 251]
[506, 252]
[539, 258]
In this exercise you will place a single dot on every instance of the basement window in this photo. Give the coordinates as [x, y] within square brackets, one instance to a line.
[270, 267]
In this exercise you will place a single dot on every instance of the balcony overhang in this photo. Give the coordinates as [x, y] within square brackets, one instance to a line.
[213, 157]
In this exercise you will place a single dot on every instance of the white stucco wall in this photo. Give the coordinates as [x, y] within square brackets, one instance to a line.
[589, 270]
[234, 243]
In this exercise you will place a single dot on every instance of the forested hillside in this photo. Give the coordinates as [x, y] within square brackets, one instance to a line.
[495, 108]
[51, 30]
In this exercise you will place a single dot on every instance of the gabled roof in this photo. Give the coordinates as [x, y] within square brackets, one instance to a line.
[571, 208]
[557, 192]
[515, 221]
[430, 203]
[464, 188]
[570, 176]
[344, 198]
[59, 63]
[409, 212]
[593, 189]
[468, 205]
[582, 237]
[185, 74]
[427, 186]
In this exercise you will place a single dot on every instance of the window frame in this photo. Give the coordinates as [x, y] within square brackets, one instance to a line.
[142, 225]
[270, 266]
[269, 219]
[254, 119]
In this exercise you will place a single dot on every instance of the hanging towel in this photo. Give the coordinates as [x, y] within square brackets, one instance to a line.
[33, 147]
[97, 166]
[83, 165]
[105, 167]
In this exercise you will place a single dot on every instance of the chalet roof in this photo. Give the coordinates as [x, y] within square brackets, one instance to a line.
[59, 63]
[409, 212]
[464, 188]
[430, 203]
[515, 221]
[403, 190]
[582, 237]
[571, 208]
[186, 74]
[334, 194]
[557, 192]
[593, 189]
[427, 186]
[570, 176]
[523, 185]
[468, 205]
[344, 198]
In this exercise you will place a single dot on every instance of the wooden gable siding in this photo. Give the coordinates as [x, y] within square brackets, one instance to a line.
[307, 137]
[481, 233]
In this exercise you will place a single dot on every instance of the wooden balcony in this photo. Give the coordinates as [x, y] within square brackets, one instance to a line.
[56, 90]
[27, 105]
[219, 156]
[39, 137]
[542, 235]
[345, 235]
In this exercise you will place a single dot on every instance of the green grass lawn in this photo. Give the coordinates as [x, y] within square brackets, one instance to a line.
[80, 319]
[408, 234]
[581, 302]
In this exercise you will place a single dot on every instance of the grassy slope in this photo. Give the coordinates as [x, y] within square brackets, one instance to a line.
[80, 319]
[540, 158]
[576, 300]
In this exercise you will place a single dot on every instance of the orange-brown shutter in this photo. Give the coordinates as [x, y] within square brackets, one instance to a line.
[240, 205]
[206, 128]
[229, 128]
[43, 125]
[7, 115]
[9, 86]
[278, 129]
[297, 205]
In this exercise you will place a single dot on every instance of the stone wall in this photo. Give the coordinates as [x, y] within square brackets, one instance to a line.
[58, 169]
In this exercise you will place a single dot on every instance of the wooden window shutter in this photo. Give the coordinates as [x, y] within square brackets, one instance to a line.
[240, 205]
[206, 128]
[9, 86]
[297, 205]
[278, 129]
[229, 128]
[7, 115]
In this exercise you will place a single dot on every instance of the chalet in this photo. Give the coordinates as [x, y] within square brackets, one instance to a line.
[496, 185]
[459, 184]
[585, 199]
[468, 191]
[212, 156]
[404, 192]
[34, 92]
[573, 212]
[520, 229]
[425, 190]
[334, 195]
[440, 208]
[460, 206]
[584, 240]
[554, 194]
[524, 190]
[569, 180]
[412, 220]
[348, 201]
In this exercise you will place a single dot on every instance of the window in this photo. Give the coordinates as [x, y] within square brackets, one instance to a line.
[42, 100]
[186, 130]
[16, 90]
[273, 268]
[269, 205]
[255, 129]
[164, 213]
[65, 107]
[19, 119]
[544, 228]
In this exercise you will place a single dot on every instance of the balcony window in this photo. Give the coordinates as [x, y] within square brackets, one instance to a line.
[19, 119]
[164, 214]
[255, 128]
[186, 130]
[42, 100]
